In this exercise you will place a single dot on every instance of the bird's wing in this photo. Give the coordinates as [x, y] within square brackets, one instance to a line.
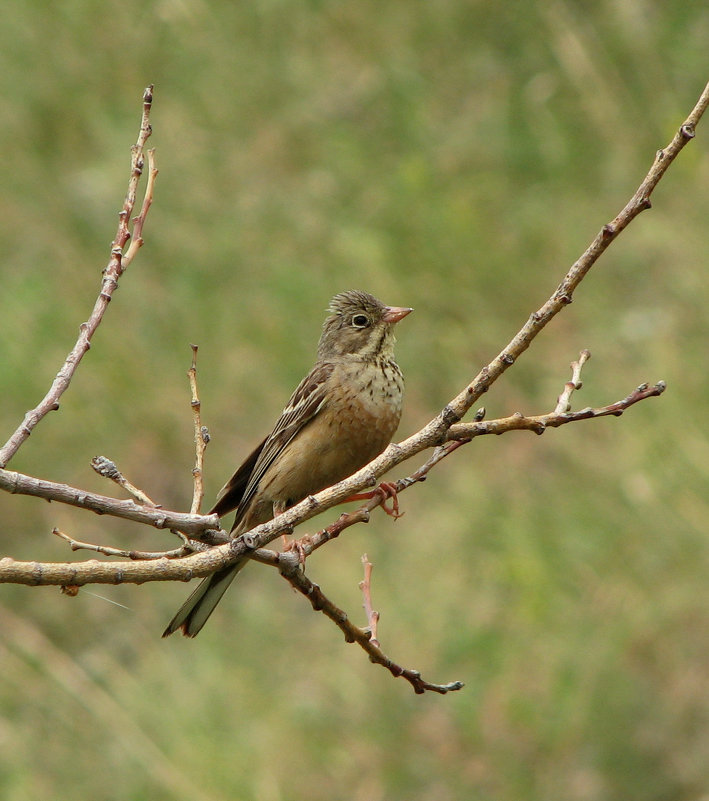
[232, 492]
[307, 400]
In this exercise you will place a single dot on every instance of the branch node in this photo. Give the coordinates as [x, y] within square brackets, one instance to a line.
[313, 502]
[449, 416]
[687, 131]
[107, 469]
[249, 540]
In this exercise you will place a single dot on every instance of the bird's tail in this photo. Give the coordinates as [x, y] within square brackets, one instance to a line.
[195, 611]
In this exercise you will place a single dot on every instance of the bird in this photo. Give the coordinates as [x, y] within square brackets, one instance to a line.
[341, 416]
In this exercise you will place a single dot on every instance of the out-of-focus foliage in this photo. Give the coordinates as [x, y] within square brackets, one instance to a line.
[453, 156]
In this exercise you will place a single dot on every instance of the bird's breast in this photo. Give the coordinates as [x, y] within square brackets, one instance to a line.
[354, 425]
[366, 400]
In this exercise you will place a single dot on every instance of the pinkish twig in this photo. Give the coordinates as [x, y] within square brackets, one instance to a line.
[111, 274]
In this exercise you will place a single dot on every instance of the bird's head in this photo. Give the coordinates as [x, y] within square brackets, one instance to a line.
[359, 325]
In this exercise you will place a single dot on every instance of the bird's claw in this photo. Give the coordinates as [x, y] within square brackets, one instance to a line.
[298, 546]
[386, 490]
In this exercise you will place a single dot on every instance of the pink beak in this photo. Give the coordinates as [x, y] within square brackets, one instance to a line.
[395, 313]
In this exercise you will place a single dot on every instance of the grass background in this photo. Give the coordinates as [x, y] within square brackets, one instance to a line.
[453, 156]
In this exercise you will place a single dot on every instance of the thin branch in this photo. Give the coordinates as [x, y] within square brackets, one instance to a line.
[372, 615]
[111, 274]
[564, 401]
[201, 437]
[539, 423]
[107, 550]
[139, 221]
[137, 163]
[21, 484]
[563, 295]
[290, 569]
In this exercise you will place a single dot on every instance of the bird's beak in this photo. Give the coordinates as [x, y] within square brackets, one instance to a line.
[395, 313]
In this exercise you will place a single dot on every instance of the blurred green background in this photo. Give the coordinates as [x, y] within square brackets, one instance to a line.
[453, 156]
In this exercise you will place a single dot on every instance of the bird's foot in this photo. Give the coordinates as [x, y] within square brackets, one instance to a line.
[386, 490]
[298, 545]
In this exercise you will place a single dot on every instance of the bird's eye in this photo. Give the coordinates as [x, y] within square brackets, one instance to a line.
[360, 321]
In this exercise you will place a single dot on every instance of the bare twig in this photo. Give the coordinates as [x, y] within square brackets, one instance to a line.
[106, 468]
[137, 163]
[564, 401]
[366, 586]
[201, 437]
[139, 221]
[563, 295]
[539, 423]
[21, 484]
[111, 274]
[290, 569]
[107, 550]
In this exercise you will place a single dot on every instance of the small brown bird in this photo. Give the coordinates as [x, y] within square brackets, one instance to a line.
[342, 415]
